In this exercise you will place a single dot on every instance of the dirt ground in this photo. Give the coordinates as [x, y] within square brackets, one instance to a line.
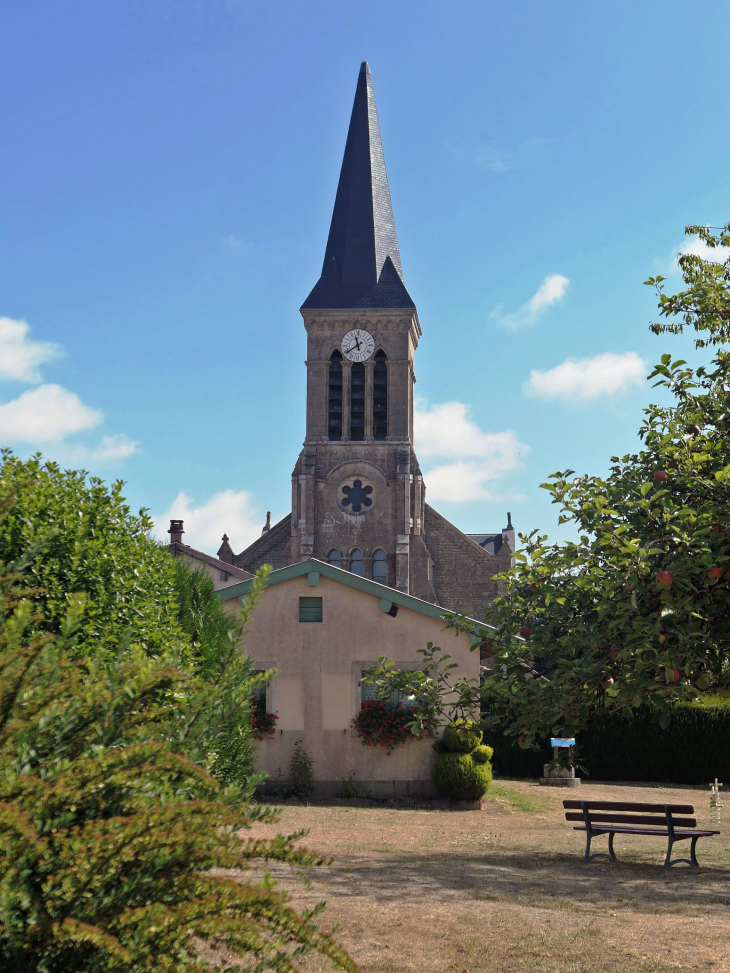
[505, 888]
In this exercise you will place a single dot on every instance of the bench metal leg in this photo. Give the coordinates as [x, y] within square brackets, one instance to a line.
[692, 860]
[588, 857]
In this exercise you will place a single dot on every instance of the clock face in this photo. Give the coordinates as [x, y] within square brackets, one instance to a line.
[358, 345]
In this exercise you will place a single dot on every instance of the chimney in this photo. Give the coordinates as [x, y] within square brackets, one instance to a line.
[268, 523]
[176, 531]
[508, 536]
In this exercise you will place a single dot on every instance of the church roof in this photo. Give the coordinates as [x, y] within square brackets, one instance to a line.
[362, 267]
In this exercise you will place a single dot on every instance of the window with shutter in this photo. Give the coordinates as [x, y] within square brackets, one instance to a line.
[310, 609]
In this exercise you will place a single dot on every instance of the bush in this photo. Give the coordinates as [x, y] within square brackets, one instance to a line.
[114, 849]
[302, 773]
[693, 749]
[458, 776]
[461, 769]
[462, 736]
[85, 540]
[482, 754]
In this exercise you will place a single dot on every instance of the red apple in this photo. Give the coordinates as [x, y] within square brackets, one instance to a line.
[675, 675]
[660, 475]
[695, 430]
[613, 653]
[607, 682]
[715, 573]
[664, 579]
[525, 631]
[716, 528]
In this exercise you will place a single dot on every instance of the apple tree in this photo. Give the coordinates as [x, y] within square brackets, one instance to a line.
[637, 609]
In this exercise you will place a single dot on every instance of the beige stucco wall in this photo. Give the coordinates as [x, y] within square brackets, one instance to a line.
[317, 690]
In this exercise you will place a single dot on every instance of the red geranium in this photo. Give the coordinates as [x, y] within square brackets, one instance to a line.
[384, 724]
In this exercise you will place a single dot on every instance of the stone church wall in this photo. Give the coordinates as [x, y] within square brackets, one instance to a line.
[462, 571]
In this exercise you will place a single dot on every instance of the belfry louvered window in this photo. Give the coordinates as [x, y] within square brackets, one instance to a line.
[335, 397]
[357, 402]
[380, 397]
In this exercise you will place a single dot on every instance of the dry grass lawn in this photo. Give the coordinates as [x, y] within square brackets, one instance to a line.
[506, 888]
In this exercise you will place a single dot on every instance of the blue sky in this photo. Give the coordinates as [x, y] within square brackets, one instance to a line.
[168, 174]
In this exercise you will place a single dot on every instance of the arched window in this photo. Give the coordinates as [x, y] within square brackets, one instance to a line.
[357, 402]
[380, 396]
[335, 397]
[380, 569]
[356, 562]
[334, 558]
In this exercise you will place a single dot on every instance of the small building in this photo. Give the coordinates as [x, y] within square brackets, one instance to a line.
[222, 572]
[319, 627]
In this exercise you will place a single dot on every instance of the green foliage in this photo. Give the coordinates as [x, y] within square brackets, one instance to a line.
[215, 636]
[693, 750]
[461, 769]
[636, 612]
[381, 723]
[85, 540]
[202, 617]
[460, 777]
[482, 754]
[440, 697]
[302, 773]
[462, 736]
[114, 848]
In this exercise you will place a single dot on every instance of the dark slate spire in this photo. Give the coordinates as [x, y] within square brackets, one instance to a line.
[362, 262]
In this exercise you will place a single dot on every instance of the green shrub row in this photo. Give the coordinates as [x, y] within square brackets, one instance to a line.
[694, 749]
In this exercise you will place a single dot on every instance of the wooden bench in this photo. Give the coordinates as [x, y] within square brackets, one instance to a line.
[612, 818]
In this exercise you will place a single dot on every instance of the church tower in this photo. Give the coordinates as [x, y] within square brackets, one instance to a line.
[358, 497]
[357, 491]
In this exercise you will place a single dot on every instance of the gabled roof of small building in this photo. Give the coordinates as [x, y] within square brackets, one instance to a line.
[362, 267]
[178, 548]
[314, 569]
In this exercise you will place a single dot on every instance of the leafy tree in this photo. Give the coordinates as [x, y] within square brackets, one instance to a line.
[226, 678]
[87, 541]
[637, 610]
[441, 698]
[116, 851]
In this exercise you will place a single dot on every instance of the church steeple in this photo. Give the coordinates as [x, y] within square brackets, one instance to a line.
[362, 267]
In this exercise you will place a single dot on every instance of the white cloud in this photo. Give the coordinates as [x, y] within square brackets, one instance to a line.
[232, 512]
[110, 450]
[669, 266]
[44, 415]
[551, 291]
[19, 356]
[446, 432]
[581, 379]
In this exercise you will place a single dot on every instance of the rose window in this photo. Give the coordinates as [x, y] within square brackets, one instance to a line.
[356, 496]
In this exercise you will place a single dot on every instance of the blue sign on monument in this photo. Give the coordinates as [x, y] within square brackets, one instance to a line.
[562, 741]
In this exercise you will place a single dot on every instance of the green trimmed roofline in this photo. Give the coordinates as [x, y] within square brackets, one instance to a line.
[314, 568]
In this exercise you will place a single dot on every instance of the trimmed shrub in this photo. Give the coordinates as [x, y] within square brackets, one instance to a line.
[458, 776]
[693, 749]
[461, 769]
[482, 754]
[462, 736]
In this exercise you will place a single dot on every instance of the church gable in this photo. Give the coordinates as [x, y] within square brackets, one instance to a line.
[462, 570]
[271, 548]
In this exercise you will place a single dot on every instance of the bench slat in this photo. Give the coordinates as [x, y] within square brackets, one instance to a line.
[620, 806]
[661, 832]
[598, 818]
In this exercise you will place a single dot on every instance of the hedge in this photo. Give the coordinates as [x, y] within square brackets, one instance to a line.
[694, 749]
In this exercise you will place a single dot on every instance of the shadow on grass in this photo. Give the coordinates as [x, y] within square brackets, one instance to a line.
[557, 879]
